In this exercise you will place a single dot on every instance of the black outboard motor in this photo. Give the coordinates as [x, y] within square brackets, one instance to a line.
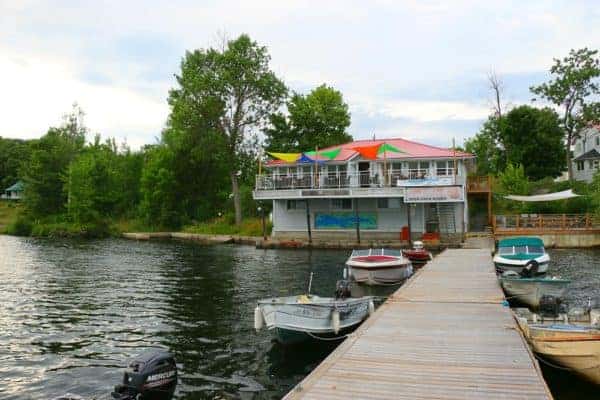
[550, 306]
[530, 269]
[342, 289]
[150, 376]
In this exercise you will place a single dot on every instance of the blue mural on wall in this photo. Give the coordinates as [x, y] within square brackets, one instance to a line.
[345, 220]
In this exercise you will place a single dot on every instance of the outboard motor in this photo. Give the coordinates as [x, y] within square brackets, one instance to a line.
[530, 269]
[342, 289]
[150, 376]
[550, 306]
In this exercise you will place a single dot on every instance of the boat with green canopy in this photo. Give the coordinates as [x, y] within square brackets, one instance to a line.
[522, 252]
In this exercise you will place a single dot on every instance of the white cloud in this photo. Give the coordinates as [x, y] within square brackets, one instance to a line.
[379, 54]
[37, 92]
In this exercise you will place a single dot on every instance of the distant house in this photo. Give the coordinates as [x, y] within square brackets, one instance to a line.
[14, 192]
[586, 154]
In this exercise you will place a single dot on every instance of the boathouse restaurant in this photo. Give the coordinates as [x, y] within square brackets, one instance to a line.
[388, 185]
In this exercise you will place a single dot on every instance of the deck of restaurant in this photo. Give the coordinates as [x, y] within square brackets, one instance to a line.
[443, 335]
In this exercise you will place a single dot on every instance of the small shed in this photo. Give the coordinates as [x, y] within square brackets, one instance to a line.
[14, 192]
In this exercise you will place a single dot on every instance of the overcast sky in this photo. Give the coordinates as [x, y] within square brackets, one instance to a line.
[412, 69]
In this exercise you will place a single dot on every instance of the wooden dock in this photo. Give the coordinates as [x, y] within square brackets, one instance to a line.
[442, 335]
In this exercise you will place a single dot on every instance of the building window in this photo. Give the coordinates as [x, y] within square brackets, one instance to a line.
[296, 205]
[341, 204]
[596, 164]
[389, 203]
[597, 140]
[578, 148]
[442, 168]
[580, 166]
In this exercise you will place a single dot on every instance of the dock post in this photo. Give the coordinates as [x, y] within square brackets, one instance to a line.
[357, 219]
[308, 221]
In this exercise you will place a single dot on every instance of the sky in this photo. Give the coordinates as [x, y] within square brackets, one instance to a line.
[411, 69]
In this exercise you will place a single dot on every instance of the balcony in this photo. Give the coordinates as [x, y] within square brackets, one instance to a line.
[479, 184]
[365, 184]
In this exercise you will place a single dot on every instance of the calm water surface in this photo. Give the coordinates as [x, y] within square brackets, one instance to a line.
[73, 312]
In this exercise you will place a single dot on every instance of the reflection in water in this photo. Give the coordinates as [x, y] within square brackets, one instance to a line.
[75, 311]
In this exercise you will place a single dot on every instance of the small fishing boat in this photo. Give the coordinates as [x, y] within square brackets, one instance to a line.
[516, 253]
[529, 291]
[379, 266]
[293, 319]
[418, 254]
[568, 340]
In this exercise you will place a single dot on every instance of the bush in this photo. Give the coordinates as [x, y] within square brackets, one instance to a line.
[22, 226]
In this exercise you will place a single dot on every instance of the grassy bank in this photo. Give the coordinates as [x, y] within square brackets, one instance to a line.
[13, 222]
[223, 226]
[9, 210]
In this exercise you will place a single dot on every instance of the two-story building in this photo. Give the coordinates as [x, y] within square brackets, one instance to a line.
[586, 154]
[387, 185]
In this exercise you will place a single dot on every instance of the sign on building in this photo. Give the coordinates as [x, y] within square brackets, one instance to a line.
[438, 194]
[345, 220]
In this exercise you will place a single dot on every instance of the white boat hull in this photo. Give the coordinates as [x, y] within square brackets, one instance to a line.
[312, 318]
[507, 264]
[530, 291]
[379, 276]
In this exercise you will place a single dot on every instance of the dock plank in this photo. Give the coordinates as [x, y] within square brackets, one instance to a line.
[443, 335]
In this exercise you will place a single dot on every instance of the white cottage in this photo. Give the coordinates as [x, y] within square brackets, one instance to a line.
[586, 154]
[385, 184]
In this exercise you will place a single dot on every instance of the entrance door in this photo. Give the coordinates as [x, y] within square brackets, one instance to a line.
[363, 173]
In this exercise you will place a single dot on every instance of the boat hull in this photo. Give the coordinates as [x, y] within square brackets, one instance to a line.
[506, 264]
[293, 322]
[379, 269]
[577, 350]
[381, 275]
[529, 291]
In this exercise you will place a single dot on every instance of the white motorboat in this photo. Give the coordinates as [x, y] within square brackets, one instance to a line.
[297, 318]
[529, 291]
[570, 340]
[379, 266]
[516, 253]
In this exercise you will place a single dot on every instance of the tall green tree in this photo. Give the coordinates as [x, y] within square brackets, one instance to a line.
[13, 154]
[533, 138]
[491, 157]
[318, 119]
[574, 82]
[525, 136]
[45, 171]
[231, 92]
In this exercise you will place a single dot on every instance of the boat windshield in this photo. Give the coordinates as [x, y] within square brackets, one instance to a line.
[536, 249]
[520, 249]
[376, 252]
[505, 250]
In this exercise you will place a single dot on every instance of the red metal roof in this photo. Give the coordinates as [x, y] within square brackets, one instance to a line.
[411, 150]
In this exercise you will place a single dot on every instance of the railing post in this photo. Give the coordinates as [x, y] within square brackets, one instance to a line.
[541, 221]
[564, 221]
[587, 220]
[518, 223]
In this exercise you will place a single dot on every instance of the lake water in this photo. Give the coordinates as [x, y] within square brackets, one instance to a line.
[73, 312]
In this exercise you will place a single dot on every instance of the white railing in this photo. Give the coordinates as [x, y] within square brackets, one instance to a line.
[366, 179]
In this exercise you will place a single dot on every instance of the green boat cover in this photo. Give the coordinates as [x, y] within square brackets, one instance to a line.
[521, 241]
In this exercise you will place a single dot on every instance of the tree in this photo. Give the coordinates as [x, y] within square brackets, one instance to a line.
[231, 92]
[574, 81]
[319, 119]
[13, 153]
[512, 181]
[44, 173]
[491, 157]
[533, 138]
